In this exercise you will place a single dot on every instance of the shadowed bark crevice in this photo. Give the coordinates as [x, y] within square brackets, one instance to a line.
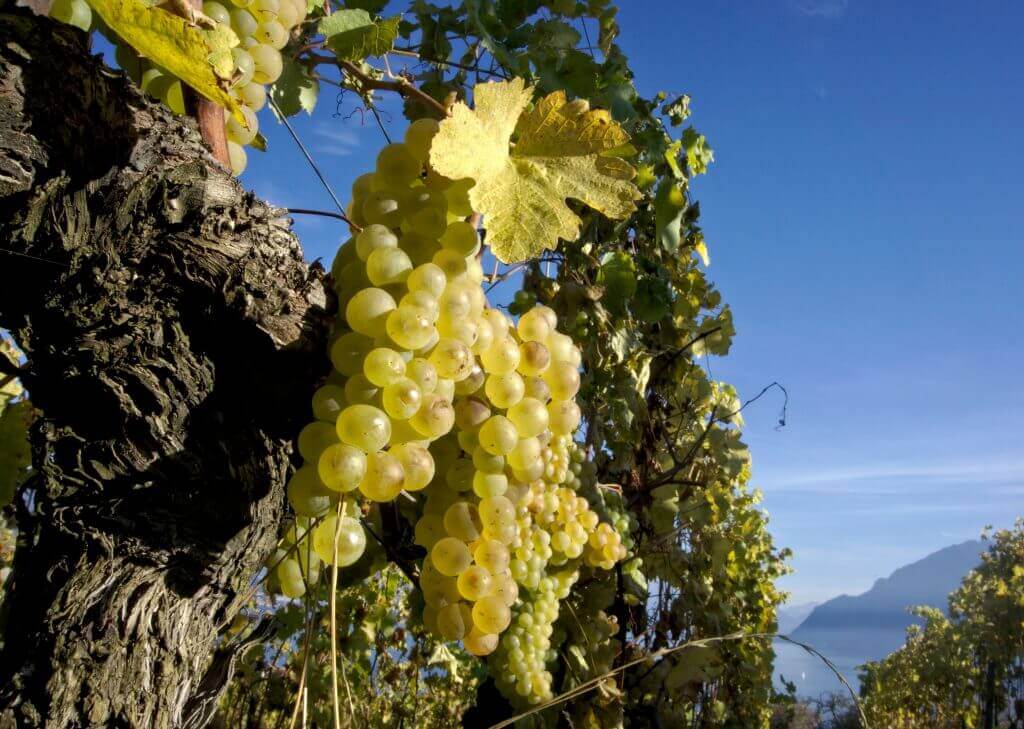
[174, 336]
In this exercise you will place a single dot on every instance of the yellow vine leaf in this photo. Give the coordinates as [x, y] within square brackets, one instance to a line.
[562, 150]
[200, 58]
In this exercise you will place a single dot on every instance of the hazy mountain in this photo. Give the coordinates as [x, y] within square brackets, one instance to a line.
[871, 625]
[790, 616]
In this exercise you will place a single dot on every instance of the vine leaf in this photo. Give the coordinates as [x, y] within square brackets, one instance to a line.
[295, 90]
[200, 58]
[353, 35]
[562, 151]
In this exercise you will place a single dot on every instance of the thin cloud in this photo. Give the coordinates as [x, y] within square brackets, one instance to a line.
[1004, 474]
[334, 140]
[828, 9]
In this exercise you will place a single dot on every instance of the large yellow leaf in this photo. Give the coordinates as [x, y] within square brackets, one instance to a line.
[200, 58]
[562, 150]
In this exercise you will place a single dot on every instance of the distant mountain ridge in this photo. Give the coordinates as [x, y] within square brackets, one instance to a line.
[925, 582]
[789, 617]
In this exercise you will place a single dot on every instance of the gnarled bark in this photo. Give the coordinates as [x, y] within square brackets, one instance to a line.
[174, 335]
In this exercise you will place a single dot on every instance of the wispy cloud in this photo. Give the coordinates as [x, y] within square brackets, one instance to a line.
[829, 9]
[335, 140]
[908, 475]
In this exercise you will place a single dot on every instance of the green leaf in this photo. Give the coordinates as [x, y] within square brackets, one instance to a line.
[549, 34]
[677, 110]
[295, 90]
[617, 275]
[698, 152]
[370, 6]
[353, 34]
[15, 453]
[653, 299]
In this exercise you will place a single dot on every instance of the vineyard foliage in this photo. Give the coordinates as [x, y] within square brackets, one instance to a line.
[955, 666]
[637, 535]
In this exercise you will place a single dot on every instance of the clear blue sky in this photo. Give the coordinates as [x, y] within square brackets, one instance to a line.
[864, 221]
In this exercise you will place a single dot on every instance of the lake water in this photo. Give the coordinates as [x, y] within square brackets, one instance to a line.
[847, 648]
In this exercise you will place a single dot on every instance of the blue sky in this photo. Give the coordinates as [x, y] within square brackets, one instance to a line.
[863, 218]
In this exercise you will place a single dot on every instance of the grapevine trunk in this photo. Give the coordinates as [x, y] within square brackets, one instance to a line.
[173, 335]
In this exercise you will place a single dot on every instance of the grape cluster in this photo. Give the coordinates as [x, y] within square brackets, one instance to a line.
[433, 391]
[263, 28]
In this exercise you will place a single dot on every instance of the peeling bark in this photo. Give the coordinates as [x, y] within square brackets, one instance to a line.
[174, 336]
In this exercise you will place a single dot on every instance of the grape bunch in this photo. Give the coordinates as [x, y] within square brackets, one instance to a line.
[263, 28]
[436, 395]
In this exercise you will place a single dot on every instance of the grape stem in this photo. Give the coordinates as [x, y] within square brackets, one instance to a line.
[209, 115]
[364, 82]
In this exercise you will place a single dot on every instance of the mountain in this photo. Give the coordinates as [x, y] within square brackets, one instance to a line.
[853, 629]
[790, 616]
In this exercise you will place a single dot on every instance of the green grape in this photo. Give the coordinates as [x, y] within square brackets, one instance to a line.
[341, 467]
[496, 512]
[531, 417]
[491, 555]
[479, 643]
[460, 237]
[417, 463]
[459, 475]
[268, 63]
[418, 136]
[237, 158]
[328, 402]
[244, 65]
[563, 416]
[388, 266]
[454, 303]
[449, 622]
[420, 248]
[504, 390]
[488, 485]
[445, 389]
[484, 336]
[423, 303]
[462, 521]
[534, 358]
[471, 413]
[474, 583]
[381, 208]
[420, 198]
[429, 529]
[365, 427]
[464, 330]
[560, 347]
[362, 186]
[428, 222]
[452, 359]
[457, 194]
[174, 96]
[435, 416]
[498, 436]
[491, 615]
[272, 33]
[367, 312]
[73, 12]
[526, 452]
[351, 540]
[467, 440]
[243, 22]
[289, 574]
[488, 462]
[423, 374]
[504, 587]
[472, 384]
[452, 263]
[383, 366]
[502, 357]
[384, 477]
[372, 238]
[360, 391]
[289, 15]
[533, 326]
[428, 278]
[253, 95]
[348, 352]
[450, 556]
[500, 324]
[239, 132]
[396, 166]
[314, 438]
[307, 495]
[268, 6]
[409, 328]
[217, 12]
[402, 398]
[128, 60]
[564, 380]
